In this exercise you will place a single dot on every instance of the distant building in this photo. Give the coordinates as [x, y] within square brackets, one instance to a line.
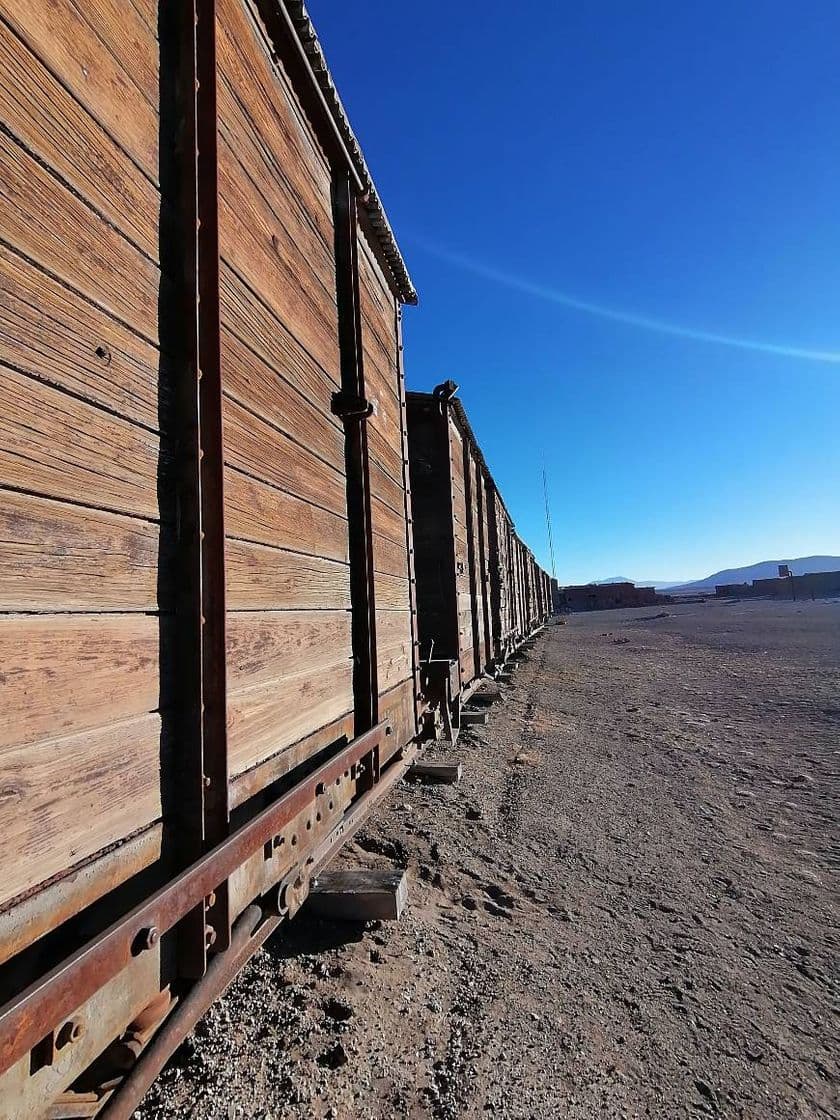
[605, 597]
[812, 585]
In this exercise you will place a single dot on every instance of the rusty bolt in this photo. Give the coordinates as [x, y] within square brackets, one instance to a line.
[71, 1031]
[149, 937]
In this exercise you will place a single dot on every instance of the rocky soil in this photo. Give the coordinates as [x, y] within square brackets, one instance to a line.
[627, 908]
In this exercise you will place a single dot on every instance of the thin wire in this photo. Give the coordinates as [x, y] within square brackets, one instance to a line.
[548, 522]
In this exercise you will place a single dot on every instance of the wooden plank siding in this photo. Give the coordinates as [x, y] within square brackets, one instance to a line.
[85, 543]
[108, 343]
[387, 451]
[287, 572]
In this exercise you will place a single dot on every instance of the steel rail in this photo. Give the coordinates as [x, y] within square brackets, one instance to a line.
[250, 931]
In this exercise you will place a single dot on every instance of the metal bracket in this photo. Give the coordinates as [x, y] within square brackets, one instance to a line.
[348, 407]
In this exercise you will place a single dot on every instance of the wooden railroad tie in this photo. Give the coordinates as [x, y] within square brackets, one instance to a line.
[359, 895]
[473, 717]
[445, 772]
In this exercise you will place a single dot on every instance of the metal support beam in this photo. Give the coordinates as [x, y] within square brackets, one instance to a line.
[360, 523]
[202, 772]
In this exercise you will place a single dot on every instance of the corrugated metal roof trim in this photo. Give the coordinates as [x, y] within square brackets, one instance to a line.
[372, 202]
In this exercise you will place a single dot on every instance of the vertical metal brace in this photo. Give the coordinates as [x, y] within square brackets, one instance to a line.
[409, 518]
[483, 556]
[204, 770]
[359, 516]
[471, 554]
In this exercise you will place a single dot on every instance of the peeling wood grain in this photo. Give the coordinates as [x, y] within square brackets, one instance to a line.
[48, 331]
[62, 800]
[52, 227]
[67, 673]
[58, 446]
[260, 578]
[258, 512]
[59, 557]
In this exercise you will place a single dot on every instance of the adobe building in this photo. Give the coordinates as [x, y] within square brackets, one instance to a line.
[812, 585]
[606, 596]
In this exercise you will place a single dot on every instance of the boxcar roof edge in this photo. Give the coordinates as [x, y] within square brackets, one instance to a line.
[305, 31]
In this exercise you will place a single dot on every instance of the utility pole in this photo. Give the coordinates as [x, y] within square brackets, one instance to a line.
[548, 523]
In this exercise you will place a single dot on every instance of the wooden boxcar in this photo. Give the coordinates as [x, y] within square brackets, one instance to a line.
[478, 585]
[210, 666]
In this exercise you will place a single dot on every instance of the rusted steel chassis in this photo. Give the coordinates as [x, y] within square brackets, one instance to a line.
[37, 1011]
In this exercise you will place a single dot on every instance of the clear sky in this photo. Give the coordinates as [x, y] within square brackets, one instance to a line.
[623, 219]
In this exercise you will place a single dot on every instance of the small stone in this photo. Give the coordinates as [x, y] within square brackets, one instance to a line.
[473, 814]
[334, 1058]
[705, 1090]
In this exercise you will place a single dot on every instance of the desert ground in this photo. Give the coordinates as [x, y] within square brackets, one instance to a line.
[627, 908]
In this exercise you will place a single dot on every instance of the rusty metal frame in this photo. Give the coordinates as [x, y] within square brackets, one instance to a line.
[353, 408]
[471, 553]
[28, 1018]
[202, 772]
[483, 546]
[409, 521]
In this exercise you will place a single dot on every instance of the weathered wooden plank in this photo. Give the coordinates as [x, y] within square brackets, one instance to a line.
[51, 333]
[392, 593]
[96, 260]
[58, 557]
[394, 644]
[67, 39]
[387, 522]
[251, 319]
[256, 511]
[262, 578]
[254, 384]
[447, 773]
[389, 558]
[393, 665]
[377, 305]
[396, 707]
[271, 646]
[359, 895]
[386, 489]
[58, 446]
[69, 673]
[262, 451]
[33, 916]
[246, 60]
[39, 111]
[271, 717]
[256, 246]
[386, 454]
[251, 155]
[65, 799]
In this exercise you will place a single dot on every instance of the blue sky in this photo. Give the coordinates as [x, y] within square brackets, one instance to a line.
[565, 180]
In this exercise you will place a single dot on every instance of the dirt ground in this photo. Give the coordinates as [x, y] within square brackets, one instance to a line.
[627, 908]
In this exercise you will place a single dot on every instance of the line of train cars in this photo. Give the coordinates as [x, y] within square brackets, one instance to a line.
[225, 634]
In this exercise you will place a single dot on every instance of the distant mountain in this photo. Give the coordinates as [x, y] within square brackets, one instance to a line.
[659, 584]
[766, 569]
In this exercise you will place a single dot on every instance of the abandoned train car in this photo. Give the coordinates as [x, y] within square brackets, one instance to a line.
[479, 590]
[208, 610]
[201, 302]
